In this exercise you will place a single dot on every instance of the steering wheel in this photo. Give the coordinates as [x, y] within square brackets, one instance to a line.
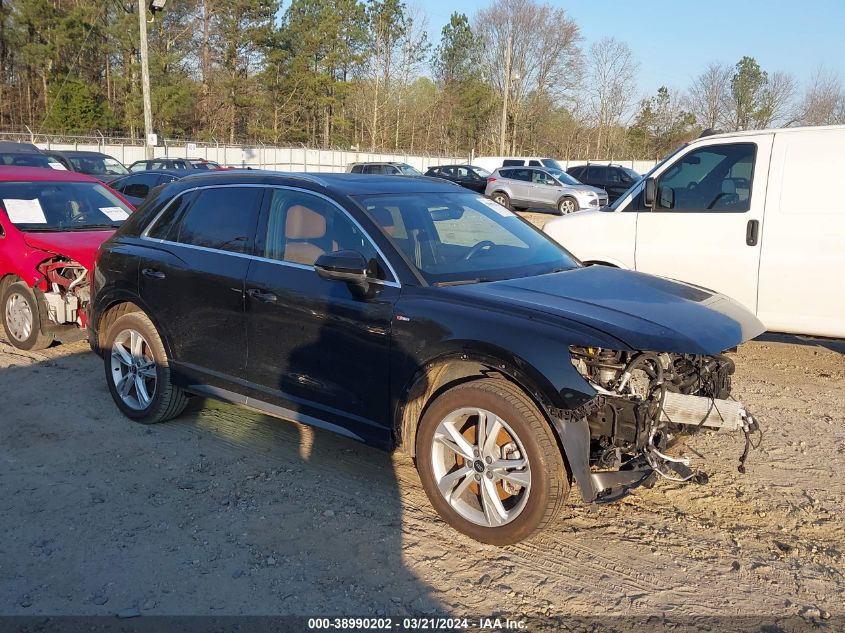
[79, 217]
[475, 250]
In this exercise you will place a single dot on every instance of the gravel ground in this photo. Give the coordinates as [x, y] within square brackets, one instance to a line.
[225, 511]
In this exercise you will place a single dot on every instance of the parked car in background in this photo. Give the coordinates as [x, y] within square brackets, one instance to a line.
[491, 163]
[412, 313]
[137, 186]
[615, 179]
[535, 187]
[101, 166]
[468, 176]
[383, 169]
[25, 155]
[51, 224]
[736, 213]
[186, 164]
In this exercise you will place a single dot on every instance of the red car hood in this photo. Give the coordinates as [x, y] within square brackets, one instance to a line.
[80, 246]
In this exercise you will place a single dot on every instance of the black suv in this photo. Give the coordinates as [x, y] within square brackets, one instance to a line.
[614, 179]
[405, 312]
[467, 176]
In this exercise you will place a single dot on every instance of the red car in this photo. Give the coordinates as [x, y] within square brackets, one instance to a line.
[51, 224]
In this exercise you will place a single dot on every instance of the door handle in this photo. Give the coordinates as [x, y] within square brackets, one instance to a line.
[152, 273]
[752, 232]
[261, 295]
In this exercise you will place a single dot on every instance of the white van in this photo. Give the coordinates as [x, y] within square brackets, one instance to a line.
[753, 215]
[492, 163]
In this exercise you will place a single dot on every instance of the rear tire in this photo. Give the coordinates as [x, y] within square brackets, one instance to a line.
[138, 371]
[22, 318]
[501, 479]
[502, 198]
[567, 205]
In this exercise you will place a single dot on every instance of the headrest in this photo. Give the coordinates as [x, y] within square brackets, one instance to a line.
[303, 223]
[384, 218]
[728, 187]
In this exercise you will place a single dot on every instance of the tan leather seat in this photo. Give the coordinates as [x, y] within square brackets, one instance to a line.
[304, 228]
[384, 219]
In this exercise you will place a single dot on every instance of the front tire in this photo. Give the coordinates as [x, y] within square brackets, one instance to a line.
[138, 371]
[567, 205]
[489, 462]
[22, 318]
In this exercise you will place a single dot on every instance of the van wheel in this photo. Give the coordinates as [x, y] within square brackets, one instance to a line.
[489, 462]
[502, 199]
[567, 206]
[22, 318]
[138, 371]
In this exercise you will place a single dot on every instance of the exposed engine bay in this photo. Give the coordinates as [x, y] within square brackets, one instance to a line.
[66, 291]
[647, 400]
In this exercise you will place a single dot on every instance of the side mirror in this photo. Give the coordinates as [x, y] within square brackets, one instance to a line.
[649, 192]
[348, 266]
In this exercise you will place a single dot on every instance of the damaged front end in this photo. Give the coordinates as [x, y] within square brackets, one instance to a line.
[66, 294]
[645, 402]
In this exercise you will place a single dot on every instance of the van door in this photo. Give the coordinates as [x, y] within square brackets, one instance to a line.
[803, 257]
[706, 224]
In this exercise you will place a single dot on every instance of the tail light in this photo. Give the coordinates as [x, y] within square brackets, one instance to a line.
[490, 179]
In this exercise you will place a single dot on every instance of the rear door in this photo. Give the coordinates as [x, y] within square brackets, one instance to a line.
[192, 278]
[705, 228]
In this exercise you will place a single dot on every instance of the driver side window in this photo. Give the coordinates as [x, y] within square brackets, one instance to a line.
[716, 178]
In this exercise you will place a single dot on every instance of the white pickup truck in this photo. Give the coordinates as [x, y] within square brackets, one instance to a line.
[753, 215]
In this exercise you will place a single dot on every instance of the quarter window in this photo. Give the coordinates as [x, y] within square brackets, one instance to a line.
[714, 178]
[222, 218]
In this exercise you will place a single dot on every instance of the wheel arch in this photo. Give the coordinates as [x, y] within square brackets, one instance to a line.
[114, 307]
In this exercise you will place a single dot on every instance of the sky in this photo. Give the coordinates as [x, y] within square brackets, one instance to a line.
[673, 41]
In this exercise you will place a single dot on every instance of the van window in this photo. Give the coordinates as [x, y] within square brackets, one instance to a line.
[512, 162]
[715, 178]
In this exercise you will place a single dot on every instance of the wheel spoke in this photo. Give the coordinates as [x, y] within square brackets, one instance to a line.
[147, 370]
[481, 432]
[494, 511]
[489, 446]
[455, 483]
[453, 440]
[141, 390]
[136, 345]
[124, 385]
[121, 354]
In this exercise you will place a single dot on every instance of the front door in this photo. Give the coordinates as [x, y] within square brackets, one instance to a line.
[318, 347]
[707, 219]
[545, 190]
[192, 277]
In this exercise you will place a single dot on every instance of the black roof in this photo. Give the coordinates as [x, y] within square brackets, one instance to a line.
[179, 173]
[467, 165]
[11, 147]
[343, 184]
[70, 153]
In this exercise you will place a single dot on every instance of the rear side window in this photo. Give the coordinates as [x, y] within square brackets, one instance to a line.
[522, 174]
[357, 169]
[221, 218]
[535, 163]
[595, 173]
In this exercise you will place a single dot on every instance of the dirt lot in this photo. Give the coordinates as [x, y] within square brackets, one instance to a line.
[225, 511]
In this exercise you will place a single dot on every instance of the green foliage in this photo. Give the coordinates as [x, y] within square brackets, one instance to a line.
[77, 108]
[660, 125]
[456, 59]
[748, 92]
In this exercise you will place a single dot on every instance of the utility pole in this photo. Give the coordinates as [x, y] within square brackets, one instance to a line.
[506, 98]
[145, 78]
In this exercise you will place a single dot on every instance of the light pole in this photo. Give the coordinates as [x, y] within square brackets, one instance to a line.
[506, 97]
[154, 5]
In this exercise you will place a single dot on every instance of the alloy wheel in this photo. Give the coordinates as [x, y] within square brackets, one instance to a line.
[133, 369]
[19, 318]
[567, 206]
[481, 467]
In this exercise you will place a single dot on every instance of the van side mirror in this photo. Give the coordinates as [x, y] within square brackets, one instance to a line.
[649, 192]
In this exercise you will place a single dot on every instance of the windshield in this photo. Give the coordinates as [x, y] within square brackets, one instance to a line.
[464, 238]
[552, 163]
[639, 179]
[204, 165]
[61, 206]
[631, 173]
[98, 165]
[564, 177]
[407, 170]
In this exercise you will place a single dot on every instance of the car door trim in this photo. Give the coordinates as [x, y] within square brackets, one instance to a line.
[394, 283]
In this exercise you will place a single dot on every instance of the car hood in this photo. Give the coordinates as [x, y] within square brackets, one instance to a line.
[80, 246]
[645, 312]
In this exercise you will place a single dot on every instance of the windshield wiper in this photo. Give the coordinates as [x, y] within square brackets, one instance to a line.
[460, 282]
[88, 227]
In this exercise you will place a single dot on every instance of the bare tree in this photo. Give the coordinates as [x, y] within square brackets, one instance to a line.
[779, 101]
[528, 48]
[611, 69]
[709, 93]
[824, 100]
